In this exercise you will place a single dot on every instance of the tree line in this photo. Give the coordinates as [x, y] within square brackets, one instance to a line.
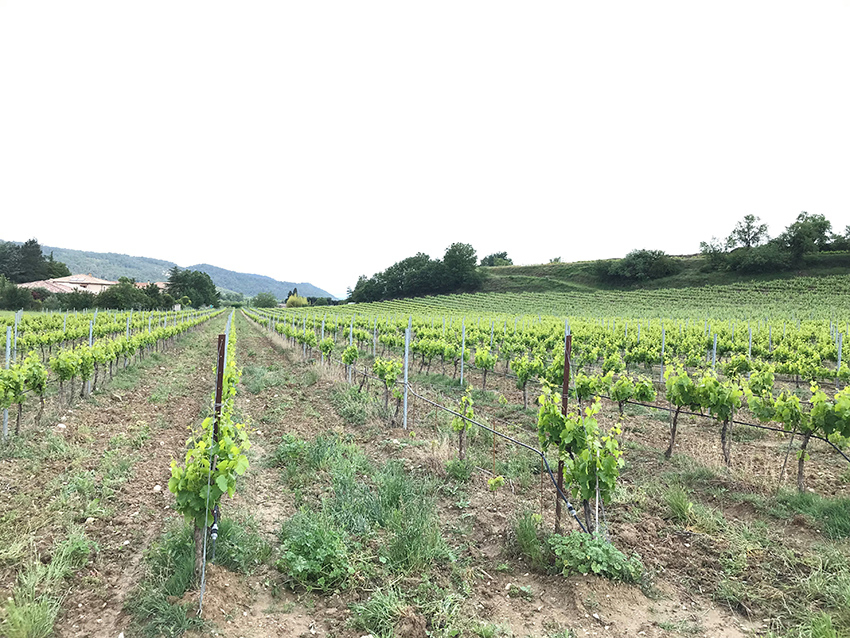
[749, 248]
[420, 275]
[189, 288]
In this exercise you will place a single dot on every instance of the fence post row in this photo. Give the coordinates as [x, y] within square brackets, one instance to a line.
[406, 355]
[6, 411]
[462, 347]
[714, 353]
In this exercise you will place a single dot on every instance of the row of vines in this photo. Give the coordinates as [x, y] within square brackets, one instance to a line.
[79, 368]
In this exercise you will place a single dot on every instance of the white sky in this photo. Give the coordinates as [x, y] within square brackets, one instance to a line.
[317, 141]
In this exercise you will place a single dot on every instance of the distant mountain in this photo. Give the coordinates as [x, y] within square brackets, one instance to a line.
[250, 285]
[114, 265]
[111, 265]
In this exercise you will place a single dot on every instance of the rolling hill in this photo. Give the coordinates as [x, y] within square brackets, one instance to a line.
[250, 285]
[114, 265]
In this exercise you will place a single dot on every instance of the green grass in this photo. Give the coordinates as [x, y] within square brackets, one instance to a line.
[276, 412]
[682, 627]
[35, 602]
[584, 275]
[380, 613]
[162, 393]
[529, 540]
[351, 405]
[239, 546]
[255, 379]
[169, 573]
[385, 505]
[831, 515]
[681, 507]
[314, 552]
[693, 515]
[414, 540]
[489, 630]
[460, 471]
[116, 466]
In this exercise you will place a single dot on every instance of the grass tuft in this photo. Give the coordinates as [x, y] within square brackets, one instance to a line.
[529, 539]
[351, 405]
[380, 614]
[831, 514]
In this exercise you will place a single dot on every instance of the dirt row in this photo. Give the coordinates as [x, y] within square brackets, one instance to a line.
[129, 430]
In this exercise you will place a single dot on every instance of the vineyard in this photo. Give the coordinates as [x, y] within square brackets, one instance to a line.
[647, 463]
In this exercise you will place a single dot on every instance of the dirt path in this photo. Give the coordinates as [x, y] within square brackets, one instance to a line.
[256, 605]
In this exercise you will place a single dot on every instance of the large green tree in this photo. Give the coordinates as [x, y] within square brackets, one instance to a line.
[808, 234]
[24, 263]
[194, 284]
[461, 262]
[123, 296]
[497, 259]
[264, 300]
[56, 269]
[748, 232]
[14, 298]
[420, 275]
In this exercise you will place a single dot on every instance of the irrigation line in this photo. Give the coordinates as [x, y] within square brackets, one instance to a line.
[563, 496]
[206, 513]
[736, 422]
[647, 405]
[781, 377]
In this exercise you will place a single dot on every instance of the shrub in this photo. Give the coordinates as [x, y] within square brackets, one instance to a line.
[768, 258]
[313, 552]
[295, 301]
[642, 265]
[577, 552]
[459, 470]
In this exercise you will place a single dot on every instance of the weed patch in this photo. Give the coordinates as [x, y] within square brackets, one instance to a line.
[351, 405]
[831, 515]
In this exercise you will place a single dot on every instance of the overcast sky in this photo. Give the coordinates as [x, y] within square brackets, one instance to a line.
[318, 141]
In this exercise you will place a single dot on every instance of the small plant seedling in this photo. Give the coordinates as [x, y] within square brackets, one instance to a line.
[495, 483]
[520, 591]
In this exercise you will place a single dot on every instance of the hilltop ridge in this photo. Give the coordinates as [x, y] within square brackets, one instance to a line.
[111, 266]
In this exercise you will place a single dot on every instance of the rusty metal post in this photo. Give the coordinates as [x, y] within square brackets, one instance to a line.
[568, 346]
[219, 383]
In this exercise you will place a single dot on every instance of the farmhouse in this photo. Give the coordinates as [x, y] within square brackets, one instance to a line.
[84, 283]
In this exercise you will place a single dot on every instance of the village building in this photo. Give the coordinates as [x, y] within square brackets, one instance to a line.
[81, 283]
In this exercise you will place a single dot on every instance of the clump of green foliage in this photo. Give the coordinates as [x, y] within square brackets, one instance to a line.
[577, 552]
